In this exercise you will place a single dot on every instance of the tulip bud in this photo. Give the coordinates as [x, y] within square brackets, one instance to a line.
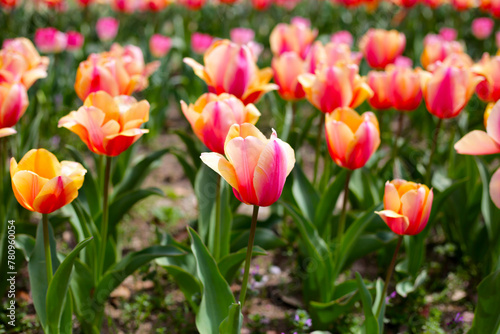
[379, 82]
[381, 47]
[407, 206]
[287, 69]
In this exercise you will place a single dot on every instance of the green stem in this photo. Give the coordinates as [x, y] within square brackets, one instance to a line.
[433, 151]
[341, 226]
[244, 284]
[217, 238]
[389, 275]
[318, 146]
[396, 139]
[46, 246]
[104, 218]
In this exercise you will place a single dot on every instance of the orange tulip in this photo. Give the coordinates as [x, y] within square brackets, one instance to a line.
[212, 116]
[296, 37]
[287, 69]
[382, 47]
[43, 184]
[379, 82]
[13, 104]
[407, 206]
[336, 86]
[20, 62]
[351, 138]
[231, 68]
[448, 89]
[488, 89]
[121, 71]
[404, 87]
[108, 125]
[256, 167]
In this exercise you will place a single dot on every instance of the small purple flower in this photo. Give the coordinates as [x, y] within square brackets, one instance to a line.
[297, 318]
[458, 319]
[308, 322]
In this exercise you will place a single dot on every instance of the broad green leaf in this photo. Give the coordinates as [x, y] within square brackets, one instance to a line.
[66, 324]
[82, 289]
[58, 288]
[230, 264]
[226, 218]
[304, 193]
[370, 325]
[188, 169]
[26, 243]
[379, 298]
[408, 285]
[205, 188]
[191, 146]
[217, 296]
[486, 315]
[328, 201]
[232, 324]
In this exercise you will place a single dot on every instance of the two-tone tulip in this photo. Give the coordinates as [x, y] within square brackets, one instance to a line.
[13, 104]
[381, 47]
[296, 37]
[488, 89]
[256, 167]
[50, 40]
[43, 184]
[407, 206]
[437, 48]
[334, 87]
[405, 92]
[287, 68]
[379, 82]
[448, 89]
[212, 116]
[231, 68]
[351, 138]
[107, 125]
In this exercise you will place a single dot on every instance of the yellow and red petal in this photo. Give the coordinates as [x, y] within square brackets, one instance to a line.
[26, 186]
[40, 162]
[396, 222]
[55, 194]
[220, 165]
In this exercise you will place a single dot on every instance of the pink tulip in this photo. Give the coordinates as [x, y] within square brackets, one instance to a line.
[50, 40]
[488, 89]
[256, 167]
[159, 45]
[482, 27]
[13, 104]
[382, 47]
[296, 37]
[107, 28]
[448, 34]
[242, 35]
[342, 37]
[75, 40]
[201, 42]
[379, 82]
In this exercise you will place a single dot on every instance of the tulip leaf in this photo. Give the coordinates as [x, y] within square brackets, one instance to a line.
[66, 323]
[408, 284]
[188, 168]
[379, 298]
[230, 264]
[328, 200]
[486, 315]
[204, 188]
[38, 273]
[225, 221]
[191, 146]
[304, 193]
[26, 243]
[232, 324]
[82, 288]
[58, 288]
[488, 209]
[217, 296]
[370, 325]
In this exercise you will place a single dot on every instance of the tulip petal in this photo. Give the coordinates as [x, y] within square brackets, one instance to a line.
[493, 124]
[339, 136]
[26, 186]
[40, 162]
[117, 143]
[412, 203]
[105, 102]
[199, 70]
[55, 194]
[365, 143]
[135, 116]
[477, 143]
[244, 130]
[396, 222]
[426, 212]
[74, 171]
[7, 132]
[391, 198]
[495, 188]
[219, 164]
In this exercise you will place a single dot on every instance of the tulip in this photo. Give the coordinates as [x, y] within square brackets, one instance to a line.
[43, 184]
[200, 43]
[107, 28]
[488, 89]
[403, 61]
[261, 4]
[287, 68]
[75, 40]
[482, 27]
[462, 5]
[381, 47]
[296, 37]
[125, 6]
[336, 86]
[154, 5]
[491, 6]
[497, 40]
[230, 68]
[487, 113]
[342, 37]
[407, 206]
[404, 88]
[193, 4]
[50, 40]
[107, 125]
[255, 167]
[13, 104]
[85, 3]
[242, 35]
[21, 62]
[159, 45]
[436, 48]
[8, 3]
[351, 138]
[379, 82]
[448, 34]
[212, 116]
[448, 89]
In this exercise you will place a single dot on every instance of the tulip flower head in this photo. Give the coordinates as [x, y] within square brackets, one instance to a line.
[107, 28]
[13, 104]
[50, 40]
[296, 37]
[231, 68]
[342, 37]
[200, 43]
[351, 138]
[287, 68]
[407, 206]
[159, 45]
[334, 87]
[242, 35]
[488, 89]
[261, 4]
[448, 34]
[256, 167]
[379, 82]
[43, 184]
[74, 40]
[437, 48]
[212, 116]
[448, 89]
[107, 125]
[381, 47]
[482, 27]
[405, 92]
